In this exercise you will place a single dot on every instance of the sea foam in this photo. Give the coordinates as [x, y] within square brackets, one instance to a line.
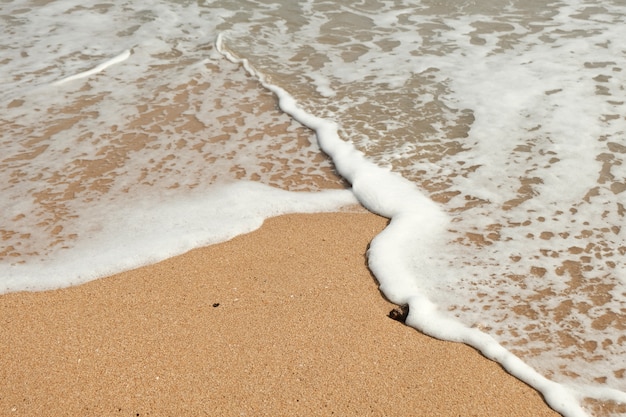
[150, 231]
[411, 213]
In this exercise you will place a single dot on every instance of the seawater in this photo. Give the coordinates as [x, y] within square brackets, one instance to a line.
[491, 132]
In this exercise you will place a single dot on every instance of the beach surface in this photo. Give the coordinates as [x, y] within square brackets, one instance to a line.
[284, 321]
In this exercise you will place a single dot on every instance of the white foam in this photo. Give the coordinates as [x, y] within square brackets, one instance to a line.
[103, 173]
[322, 84]
[416, 222]
[149, 231]
[99, 68]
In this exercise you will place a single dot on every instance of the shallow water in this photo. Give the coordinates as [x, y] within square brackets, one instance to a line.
[114, 113]
[510, 116]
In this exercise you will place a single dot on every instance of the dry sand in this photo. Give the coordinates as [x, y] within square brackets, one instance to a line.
[285, 321]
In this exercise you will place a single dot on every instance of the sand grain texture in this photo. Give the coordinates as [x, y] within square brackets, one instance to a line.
[284, 321]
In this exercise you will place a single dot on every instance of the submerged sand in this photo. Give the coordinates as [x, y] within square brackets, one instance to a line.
[284, 321]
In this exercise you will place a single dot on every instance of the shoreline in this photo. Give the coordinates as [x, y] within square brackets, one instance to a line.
[286, 320]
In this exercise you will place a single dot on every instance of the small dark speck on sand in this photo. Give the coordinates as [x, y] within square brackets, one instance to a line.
[399, 313]
[216, 304]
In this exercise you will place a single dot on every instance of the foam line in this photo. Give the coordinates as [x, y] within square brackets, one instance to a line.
[126, 240]
[115, 60]
[391, 195]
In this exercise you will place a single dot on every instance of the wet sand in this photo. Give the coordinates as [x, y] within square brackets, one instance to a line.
[284, 321]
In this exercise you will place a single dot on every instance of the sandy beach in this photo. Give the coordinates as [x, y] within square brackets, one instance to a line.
[284, 321]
